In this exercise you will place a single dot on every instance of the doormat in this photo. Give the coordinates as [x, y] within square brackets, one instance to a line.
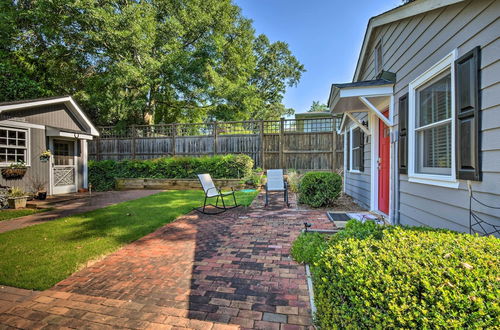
[338, 216]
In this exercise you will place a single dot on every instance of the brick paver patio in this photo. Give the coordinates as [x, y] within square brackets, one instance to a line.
[202, 272]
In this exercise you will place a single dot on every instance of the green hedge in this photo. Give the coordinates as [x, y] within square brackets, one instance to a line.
[319, 189]
[102, 174]
[399, 277]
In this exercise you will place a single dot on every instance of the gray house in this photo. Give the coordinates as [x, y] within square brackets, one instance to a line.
[31, 127]
[421, 118]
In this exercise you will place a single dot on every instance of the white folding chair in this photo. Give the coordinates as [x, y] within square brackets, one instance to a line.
[276, 182]
[212, 191]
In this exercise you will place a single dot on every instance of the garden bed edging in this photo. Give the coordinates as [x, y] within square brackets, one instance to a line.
[176, 184]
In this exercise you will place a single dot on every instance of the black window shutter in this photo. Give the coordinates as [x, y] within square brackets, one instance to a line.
[361, 150]
[467, 119]
[403, 134]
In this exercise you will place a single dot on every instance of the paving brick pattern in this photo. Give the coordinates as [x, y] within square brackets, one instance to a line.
[200, 272]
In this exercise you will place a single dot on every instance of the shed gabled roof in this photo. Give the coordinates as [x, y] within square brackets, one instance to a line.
[67, 100]
[409, 9]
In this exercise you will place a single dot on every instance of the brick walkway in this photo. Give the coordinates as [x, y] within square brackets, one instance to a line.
[98, 200]
[200, 272]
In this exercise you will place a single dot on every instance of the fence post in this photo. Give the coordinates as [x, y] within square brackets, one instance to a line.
[215, 138]
[262, 152]
[174, 132]
[334, 148]
[133, 141]
[282, 129]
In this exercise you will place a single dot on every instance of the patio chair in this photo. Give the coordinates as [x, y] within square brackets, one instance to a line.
[211, 191]
[276, 182]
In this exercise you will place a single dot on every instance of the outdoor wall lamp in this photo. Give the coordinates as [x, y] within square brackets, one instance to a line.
[365, 123]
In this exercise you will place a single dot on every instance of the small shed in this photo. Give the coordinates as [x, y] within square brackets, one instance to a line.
[30, 128]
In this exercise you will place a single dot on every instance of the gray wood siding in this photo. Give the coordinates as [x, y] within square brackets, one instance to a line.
[52, 115]
[37, 169]
[357, 185]
[410, 47]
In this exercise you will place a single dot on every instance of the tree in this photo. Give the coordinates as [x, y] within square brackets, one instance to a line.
[136, 61]
[318, 107]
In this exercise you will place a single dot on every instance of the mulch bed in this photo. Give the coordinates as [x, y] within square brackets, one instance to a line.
[344, 203]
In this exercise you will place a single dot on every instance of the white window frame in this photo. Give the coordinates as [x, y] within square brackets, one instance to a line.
[352, 128]
[450, 181]
[27, 146]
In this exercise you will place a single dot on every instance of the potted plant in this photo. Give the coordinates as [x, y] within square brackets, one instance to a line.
[38, 188]
[45, 156]
[16, 198]
[14, 171]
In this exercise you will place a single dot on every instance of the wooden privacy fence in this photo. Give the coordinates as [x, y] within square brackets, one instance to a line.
[301, 144]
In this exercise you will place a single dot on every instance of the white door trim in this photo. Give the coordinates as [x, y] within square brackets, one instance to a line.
[374, 122]
[63, 189]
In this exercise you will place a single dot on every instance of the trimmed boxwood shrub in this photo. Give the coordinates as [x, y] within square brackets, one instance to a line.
[307, 248]
[399, 277]
[102, 174]
[319, 189]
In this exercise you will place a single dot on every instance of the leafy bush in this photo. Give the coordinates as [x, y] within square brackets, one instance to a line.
[308, 246]
[319, 189]
[254, 179]
[360, 230]
[102, 174]
[397, 277]
[293, 179]
[16, 192]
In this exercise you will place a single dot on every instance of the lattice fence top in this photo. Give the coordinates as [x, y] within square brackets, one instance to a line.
[312, 125]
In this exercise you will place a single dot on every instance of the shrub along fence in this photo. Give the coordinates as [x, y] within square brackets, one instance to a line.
[104, 174]
[301, 144]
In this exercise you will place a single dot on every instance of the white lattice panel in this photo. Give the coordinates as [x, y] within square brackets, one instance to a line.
[64, 176]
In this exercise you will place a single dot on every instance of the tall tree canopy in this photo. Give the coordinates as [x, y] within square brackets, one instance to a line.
[318, 107]
[136, 61]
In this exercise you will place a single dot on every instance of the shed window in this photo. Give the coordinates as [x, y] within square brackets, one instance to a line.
[13, 145]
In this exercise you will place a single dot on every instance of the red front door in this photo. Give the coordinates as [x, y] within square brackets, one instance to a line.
[383, 166]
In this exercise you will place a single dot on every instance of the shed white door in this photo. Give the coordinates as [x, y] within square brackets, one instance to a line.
[64, 166]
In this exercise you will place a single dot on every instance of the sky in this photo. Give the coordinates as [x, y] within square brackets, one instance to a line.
[324, 35]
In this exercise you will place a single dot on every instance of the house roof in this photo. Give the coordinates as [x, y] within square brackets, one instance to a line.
[364, 83]
[67, 100]
[408, 9]
[333, 98]
[346, 96]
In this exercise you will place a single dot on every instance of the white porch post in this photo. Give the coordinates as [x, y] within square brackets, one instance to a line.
[85, 164]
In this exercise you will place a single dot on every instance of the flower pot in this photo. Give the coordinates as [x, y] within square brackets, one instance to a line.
[42, 195]
[17, 202]
[13, 173]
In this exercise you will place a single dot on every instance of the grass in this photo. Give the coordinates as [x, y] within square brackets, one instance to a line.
[12, 214]
[38, 257]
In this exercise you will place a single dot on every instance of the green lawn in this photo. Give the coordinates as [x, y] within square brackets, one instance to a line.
[12, 214]
[38, 257]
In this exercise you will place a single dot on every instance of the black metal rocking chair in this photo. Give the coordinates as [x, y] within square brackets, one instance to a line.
[210, 192]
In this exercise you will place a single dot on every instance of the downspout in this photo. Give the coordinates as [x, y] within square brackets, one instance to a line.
[397, 182]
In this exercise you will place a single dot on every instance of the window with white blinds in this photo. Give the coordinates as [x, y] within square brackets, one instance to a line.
[433, 126]
[356, 149]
